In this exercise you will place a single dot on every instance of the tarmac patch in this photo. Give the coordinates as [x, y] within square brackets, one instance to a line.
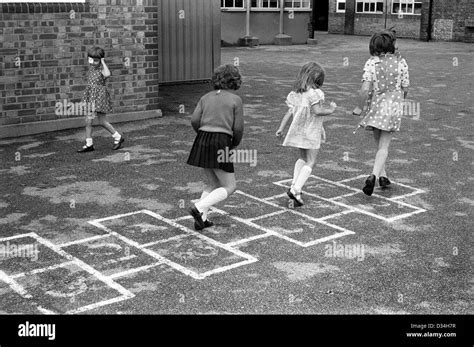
[304, 271]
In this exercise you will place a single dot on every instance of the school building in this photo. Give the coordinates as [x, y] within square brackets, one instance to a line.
[451, 20]
[294, 21]
[43, 56]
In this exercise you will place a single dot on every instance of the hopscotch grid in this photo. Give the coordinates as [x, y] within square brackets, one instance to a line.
[134, 270]
[173, 264]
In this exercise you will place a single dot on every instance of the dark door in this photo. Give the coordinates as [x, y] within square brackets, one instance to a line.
[320, 15]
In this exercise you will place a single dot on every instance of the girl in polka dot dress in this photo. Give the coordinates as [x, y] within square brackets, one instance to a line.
[97, 95]
[384, 86]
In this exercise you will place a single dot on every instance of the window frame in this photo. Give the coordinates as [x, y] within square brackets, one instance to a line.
[337, 6]
[369, 2]
[260, 6]
[413, 4]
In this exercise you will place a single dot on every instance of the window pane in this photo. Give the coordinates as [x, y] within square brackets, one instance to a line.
[372, 7]
[254, 3]
[306, 4]
[341, 6]
[418, 7]
[360, 7]
[380, 7]
[410, 8]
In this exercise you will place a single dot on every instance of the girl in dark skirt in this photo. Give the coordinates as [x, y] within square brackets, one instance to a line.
[219, 123]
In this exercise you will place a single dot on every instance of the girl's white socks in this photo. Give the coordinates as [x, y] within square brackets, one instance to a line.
[302, 178]
[298, 166]
[204, 212]
[214, 197]
[116, 136]
[89, 142]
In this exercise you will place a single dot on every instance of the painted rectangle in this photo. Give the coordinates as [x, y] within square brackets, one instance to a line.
[393, 191]
[314, 207]
[199, 257]
[23, 253]
[298, 228]
[246, 206]
[321, 187]
[226, 229]
[142, 228]
[110, 255]
[68, 289]
[378, 207]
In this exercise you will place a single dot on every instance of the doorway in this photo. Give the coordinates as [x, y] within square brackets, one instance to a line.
[320, 15]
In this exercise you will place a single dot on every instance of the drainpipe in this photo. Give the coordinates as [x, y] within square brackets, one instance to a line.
[430, 24]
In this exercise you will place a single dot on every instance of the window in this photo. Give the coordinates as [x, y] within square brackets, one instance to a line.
[303, 4]
[341, 6]
[372, 6]
[402, 7]
[265, 4]
[232, 4]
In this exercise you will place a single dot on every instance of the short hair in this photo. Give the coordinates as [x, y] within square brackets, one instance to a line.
[226, 77]
[382, 43]
[96, 53]
[310, 75]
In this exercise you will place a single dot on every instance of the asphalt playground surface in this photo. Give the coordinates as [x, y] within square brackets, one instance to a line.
[113, 235]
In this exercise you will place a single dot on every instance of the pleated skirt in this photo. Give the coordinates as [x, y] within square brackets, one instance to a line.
[209, 151]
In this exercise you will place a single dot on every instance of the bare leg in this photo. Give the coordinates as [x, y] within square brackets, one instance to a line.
[103, 122]
[382, 153]
[89, 127]
[377, 133]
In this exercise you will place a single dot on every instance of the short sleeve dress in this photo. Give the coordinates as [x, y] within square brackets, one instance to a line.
[96, 93]
[388, 74]
[306, 130]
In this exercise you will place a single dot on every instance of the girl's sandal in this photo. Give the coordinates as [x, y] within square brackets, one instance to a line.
[297, 199]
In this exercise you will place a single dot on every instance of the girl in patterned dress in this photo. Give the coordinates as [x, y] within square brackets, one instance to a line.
[386, 79]
[97, 95]
[306, 131]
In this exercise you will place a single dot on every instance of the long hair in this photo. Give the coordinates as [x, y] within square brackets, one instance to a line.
[311, 75]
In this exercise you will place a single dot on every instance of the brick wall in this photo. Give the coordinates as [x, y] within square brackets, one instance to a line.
[43, 55]
[449, 20]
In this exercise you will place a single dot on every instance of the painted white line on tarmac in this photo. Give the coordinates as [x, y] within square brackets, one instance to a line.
[135, 270]
[76, 242]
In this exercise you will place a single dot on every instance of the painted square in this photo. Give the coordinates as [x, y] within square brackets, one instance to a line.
[196, 256]
[377, 206]
[110, 255]
[320, 187]
[25, 254]
[226, 229]
[68, 289]
[314, 207]
[246, 207]
[395, 190]
[142, 228]
[297, 227]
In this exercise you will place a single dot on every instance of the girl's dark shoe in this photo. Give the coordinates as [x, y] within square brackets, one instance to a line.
[198, 222]
[207, 224]
[85, 149]
[298, 202]
[118, 144]
[384, 182]
[369, 185]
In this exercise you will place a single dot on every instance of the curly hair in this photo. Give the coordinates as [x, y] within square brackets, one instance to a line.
[96, 53]
[226, 77]
[382, 43]
[311, 75]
